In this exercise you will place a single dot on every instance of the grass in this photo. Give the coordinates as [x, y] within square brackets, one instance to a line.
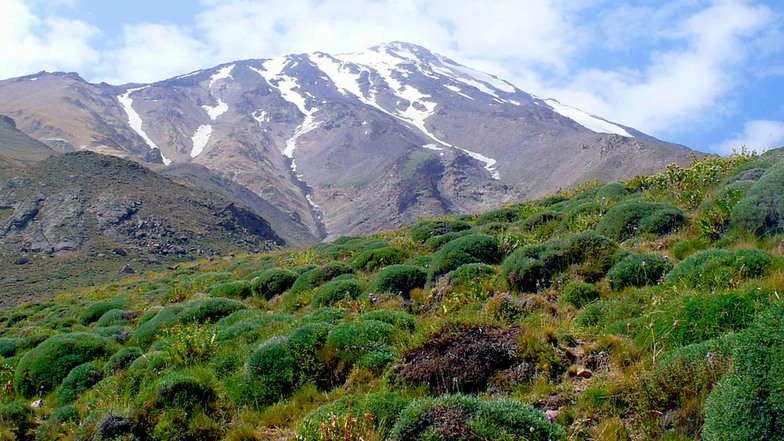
[567, 350]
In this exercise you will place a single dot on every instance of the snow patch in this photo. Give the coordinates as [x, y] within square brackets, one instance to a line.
[286, 85]
[200, 139]
[432, 147]
[586, 120]
[310, 201]
[194, 73]
[135, 121]
[215, 111]
[222, 74]
[260, 116]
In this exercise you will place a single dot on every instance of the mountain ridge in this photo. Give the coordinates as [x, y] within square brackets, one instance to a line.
[322, 137]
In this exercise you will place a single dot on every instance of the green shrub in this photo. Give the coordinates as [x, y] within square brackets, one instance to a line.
[209, 309]
[80, 379]
[65, 414]
[302, 269]
[524, 273]
[748, 404]
[8, 346]
[462, 417]
[118, 333]
[273, 371]
[474, 248]
[436, 242]
[716, 268]
[371, 260]
[470, 272]
[614, 191]
[18, 417]
[427, 228]
[304, 346]
[398, 319]
[355, 339]
[697, 317]
[638, 270]
[97, 309]
[579, 294]
[149, 315]
[122, 359]
[184, 390]
[493, 228]
[399, 279]
[761, 211]
[549, 201]
[686, 248]
[319, 275]
[335, 291]
[681, 378]
[510, 214]
[43, 368]
[273, 282]
[624, 220]
[536, 220]
[112, 318]
[151, 330]
[325, 315]
[237, 289]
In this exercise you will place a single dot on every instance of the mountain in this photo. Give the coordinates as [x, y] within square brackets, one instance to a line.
[84, 212]
[344, 144]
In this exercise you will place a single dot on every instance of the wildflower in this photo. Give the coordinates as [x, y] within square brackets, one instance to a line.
[550, 417]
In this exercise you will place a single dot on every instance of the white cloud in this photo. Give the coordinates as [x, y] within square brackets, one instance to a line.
[679, 87]
[152, 52]
[760, 135]
[29, 43]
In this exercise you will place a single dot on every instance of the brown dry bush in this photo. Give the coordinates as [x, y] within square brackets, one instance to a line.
[460, 358]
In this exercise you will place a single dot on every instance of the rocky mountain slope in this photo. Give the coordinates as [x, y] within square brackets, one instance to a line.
[85, 212]
[323, 138]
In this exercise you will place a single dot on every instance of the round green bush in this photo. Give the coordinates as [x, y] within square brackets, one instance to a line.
[97, 309]
[748, 404]
[184, 391]
[112, 318]
[304, 345]
[717, 268]
[319, 275]
[427, 228]
[761, 211]
[549, 201]
[8, 346]
[335, 291]
[80, 379]
[273, 282]
[510, 214]
[436, 242]
[624, 220]
[474, 248]
[399, 279]
[470, 272]
[638, 270]
[579, 294]
[524, 273]
[209, 309]
[536, 220]
[150, 330]
[237, 289]
[325, 315]
[65, 414]
[43, 368]
[302, 269]
[384, 407]
[398, 319]
[371, 260]
[614, 191]
[122, 359]
[273, 370]
[463, 417]
[118, 333]
[355, 339]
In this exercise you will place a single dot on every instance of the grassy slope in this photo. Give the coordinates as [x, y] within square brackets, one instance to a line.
[18, 147]
[602, 366]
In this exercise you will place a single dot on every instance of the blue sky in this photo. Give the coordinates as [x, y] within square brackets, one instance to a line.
[706, 74]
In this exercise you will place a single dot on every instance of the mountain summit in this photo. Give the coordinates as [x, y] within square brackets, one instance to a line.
[344, 144]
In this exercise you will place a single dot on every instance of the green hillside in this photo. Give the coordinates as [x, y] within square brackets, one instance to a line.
[648, 309]
[18, 147]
